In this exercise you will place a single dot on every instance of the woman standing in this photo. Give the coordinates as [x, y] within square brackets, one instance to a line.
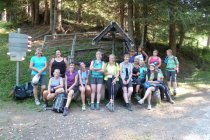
[126, 69]
[155, 59]
[172, 67]
[84, 83]
[97, 77]
[141, 54]
[71, 80]
[111, 73]
[38, 65]
[58, 62]
[55, 87]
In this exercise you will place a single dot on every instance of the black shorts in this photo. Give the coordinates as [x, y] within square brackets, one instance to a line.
[171, 75]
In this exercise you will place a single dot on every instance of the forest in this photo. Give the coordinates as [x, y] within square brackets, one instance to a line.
[177, 23]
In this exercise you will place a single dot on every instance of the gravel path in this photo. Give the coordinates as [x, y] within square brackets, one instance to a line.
[188, 119]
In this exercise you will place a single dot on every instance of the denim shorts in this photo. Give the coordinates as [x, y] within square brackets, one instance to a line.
[171, 74]
[96, 81]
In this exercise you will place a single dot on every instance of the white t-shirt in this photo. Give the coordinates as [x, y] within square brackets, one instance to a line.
[140, 57]
[110, 70]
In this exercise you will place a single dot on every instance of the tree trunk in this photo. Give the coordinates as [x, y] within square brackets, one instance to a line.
[79, 12]
[122, 15]
[46, 19]
[130, 20]
[137, 24]
[52, 27]
[36, 16]
[208, 42]
[172, 37]
[172, 28]
[4, 16]
[181, 40]
[57, 16]
[145, 15]
[32, 12]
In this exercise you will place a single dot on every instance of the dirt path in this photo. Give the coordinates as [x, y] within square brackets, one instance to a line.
[188, 119]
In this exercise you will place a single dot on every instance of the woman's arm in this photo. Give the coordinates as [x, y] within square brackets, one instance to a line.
[145, 55]
[49, 86]
[50, 67]
[103, 68]
[80, 78]
[75, 82]
[61, 84]
[66, 63]
[149, 60]
[160, 62]
[31, 66]
[45, 67]
[130, 76]
[66, 83]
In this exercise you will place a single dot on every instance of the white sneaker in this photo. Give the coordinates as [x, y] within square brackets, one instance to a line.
[141, 101]
[37, 102]
[149, 107]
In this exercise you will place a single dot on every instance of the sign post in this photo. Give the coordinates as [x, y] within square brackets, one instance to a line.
[19, 44]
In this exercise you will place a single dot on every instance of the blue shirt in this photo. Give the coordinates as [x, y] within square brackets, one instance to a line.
[84, 75]
[132, 58]
[142, 72]
[38, 63]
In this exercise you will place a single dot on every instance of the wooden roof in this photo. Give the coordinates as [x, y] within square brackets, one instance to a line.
[113, 27]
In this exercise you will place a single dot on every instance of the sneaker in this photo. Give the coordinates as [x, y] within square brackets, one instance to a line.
[149, 107]
[137, 97]
[141, 101]
[171, 101]
[65, 111]
[83, 107]
[109, 106]
[92, 106]
[128, 107]
[97, 106]
[37, 102]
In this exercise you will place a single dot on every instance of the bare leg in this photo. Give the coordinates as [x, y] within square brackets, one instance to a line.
[137, 88]
[71, 92]
[130, 91]
[43, 87]
[125, 94]
[45, 94]
[99, 86]
[35, 90]
[93, 88]
[82, 90]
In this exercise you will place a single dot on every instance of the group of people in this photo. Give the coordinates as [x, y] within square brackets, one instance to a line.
[137, 70]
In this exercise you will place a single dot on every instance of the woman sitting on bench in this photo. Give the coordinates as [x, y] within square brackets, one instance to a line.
[152, 81]
[55, 87]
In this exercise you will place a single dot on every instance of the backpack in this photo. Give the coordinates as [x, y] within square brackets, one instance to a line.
[59, 103]
[19, 92]
[29, 89]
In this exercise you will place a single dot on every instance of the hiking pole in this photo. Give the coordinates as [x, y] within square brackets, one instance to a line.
[112, 94]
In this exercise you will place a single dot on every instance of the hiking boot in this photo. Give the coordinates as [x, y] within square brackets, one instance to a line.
[83, 107]
[37, 102]
[141, 101]
[97, 106]
[92, 106]
[128, 107]
[65, 111]
[137, 97]
[149, 107]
